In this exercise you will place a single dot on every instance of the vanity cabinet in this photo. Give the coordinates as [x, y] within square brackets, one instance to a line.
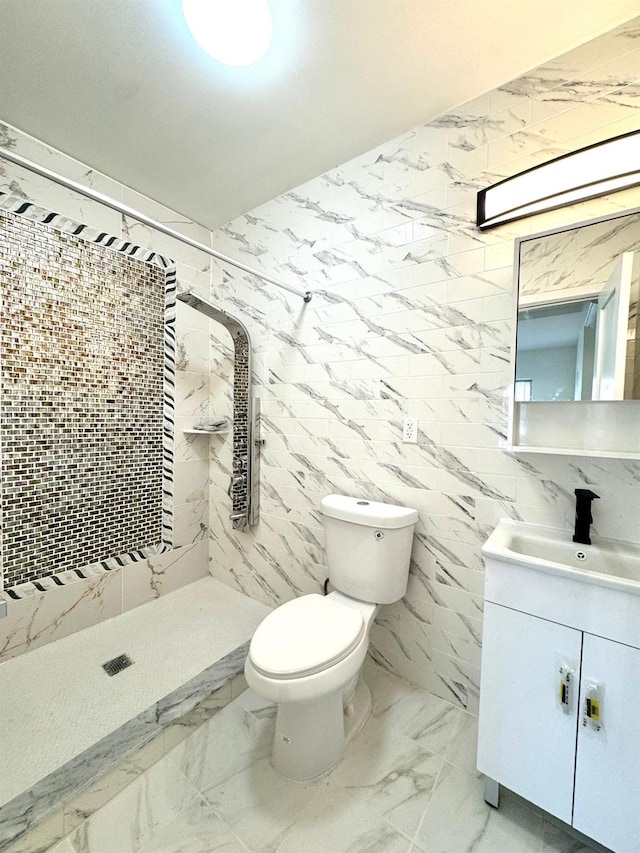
[526, 742]
[550, 643]
[537, 746]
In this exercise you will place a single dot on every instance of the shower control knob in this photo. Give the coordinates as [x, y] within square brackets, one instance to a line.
[239, 464]
[238, 481]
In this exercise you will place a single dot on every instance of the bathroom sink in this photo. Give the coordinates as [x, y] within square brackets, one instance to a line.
[606, 562]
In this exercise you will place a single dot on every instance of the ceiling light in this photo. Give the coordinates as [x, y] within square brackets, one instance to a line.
[593, 171]
[236, 32]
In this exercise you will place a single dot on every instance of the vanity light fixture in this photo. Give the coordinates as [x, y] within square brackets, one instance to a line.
[593, 171]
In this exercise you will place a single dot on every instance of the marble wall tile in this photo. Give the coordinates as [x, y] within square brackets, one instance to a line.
[46, 194]
[62, 610]
[166, 216]
[190, 522]
[192, 480]
[192, 395]
[191, 278]
[188, 448]
[164, 573]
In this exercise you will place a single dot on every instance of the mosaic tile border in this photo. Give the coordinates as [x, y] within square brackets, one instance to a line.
[16, 205]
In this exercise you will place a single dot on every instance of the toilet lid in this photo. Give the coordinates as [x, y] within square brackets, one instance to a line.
[304, 636]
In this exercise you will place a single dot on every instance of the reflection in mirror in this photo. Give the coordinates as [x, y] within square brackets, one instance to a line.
[556, 348]
[577, 333]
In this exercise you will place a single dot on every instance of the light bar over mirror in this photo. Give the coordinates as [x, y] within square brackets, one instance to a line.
[596, 170]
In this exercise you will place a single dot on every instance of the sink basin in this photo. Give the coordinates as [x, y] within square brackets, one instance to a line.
[606, 562]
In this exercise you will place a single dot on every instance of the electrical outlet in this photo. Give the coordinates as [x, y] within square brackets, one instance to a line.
[410, 430]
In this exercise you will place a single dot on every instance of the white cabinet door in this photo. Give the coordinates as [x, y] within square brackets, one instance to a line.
[607, 799]
[526, 741]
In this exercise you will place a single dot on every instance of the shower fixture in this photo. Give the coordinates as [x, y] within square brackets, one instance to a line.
[244, 486]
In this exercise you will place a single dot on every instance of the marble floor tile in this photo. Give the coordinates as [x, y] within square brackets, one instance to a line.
[457, 820]
[390, 772]
[385, 688]
[197, 830]
[407, 784]
[260, 805]
[463, 748]
[337, 822]
[428, 720]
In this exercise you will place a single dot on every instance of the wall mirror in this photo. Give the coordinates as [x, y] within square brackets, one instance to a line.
[577, 312]
[576, 375]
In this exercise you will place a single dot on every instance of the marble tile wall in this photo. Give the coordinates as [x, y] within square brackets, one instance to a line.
[413, 316]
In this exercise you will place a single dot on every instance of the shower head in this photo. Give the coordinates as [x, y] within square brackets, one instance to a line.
[204, 306]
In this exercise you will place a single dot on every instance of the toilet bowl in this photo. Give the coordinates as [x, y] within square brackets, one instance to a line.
[307, 654]
[306, 657]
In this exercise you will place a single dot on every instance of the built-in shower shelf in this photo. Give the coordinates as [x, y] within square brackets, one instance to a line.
[206, 431]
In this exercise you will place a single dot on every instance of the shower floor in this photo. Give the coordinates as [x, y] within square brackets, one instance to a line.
[407, 785]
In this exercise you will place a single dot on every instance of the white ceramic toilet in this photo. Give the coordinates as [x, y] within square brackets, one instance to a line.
[307, 654]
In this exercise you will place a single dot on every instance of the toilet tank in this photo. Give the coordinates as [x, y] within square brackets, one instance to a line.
[368, 547]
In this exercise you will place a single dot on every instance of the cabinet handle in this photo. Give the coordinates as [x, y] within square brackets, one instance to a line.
[565, 687]
[592, 709]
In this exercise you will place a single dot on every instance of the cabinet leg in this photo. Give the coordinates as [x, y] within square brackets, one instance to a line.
[491, 792]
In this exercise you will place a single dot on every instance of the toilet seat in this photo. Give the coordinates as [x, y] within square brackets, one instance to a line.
[305, 636]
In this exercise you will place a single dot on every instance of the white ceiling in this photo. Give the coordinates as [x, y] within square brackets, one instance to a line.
[120, 85]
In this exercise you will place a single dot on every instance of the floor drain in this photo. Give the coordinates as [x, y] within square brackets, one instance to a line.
[580, 555]
[116, 665]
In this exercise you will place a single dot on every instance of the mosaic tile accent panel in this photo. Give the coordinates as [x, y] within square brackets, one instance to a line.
[82, 349]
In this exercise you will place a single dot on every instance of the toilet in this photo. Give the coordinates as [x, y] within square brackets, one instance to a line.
[307, 654]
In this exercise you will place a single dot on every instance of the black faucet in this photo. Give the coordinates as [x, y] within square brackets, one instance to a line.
[583, 515]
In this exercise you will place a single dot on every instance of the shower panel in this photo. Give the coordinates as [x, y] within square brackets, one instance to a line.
[245, 477]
